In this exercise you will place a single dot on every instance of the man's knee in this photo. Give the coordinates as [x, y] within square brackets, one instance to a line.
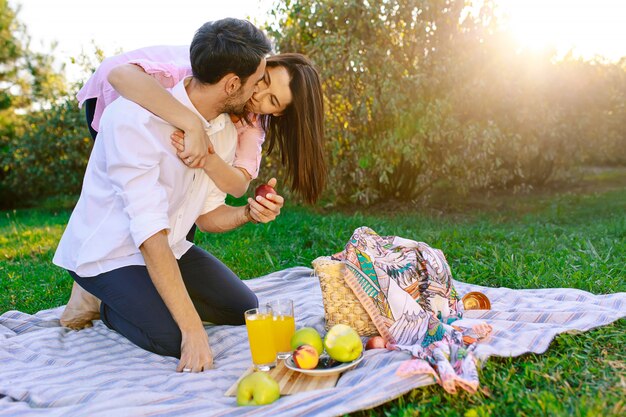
[161, 336]
[166, 343]
[248, 301]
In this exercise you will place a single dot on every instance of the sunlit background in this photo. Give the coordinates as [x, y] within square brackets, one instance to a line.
[115, 25]
[586, 27]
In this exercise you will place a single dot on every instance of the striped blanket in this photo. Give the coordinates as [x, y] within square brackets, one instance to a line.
[48, 370]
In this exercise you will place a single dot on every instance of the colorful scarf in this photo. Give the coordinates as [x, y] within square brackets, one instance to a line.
[406, 288]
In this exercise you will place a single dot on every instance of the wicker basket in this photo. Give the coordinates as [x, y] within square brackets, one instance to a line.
[340, 303]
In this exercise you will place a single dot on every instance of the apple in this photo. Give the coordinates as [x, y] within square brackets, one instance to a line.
[307, 336]
[258, 388]
[342, 343]
[375, 342]
[306, 357]
[263, 190]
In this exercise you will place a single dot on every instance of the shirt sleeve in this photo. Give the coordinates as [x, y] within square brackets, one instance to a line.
[166, 73]
[133, 167]
[249, 147]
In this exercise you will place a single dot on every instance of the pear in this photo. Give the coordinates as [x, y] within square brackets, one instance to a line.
[342, 343]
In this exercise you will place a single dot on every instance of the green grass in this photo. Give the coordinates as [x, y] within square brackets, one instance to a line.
[536, 240]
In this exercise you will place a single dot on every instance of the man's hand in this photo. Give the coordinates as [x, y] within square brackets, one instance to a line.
[264, 210]
[192, 147]
[195, 352]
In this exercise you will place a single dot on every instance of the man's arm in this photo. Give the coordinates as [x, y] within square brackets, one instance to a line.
[132, 166]
[225, 218]
[165, 274]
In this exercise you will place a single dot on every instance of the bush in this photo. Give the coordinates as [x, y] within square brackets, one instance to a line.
[46, 155]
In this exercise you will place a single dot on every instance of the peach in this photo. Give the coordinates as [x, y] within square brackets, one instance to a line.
[263, 190]
[375, 342]
[306, 357]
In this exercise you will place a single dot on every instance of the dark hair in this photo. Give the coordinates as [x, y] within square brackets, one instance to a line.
[227, 46]
[299, 130]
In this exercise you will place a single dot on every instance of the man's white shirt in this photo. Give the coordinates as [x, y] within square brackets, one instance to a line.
[135, 185]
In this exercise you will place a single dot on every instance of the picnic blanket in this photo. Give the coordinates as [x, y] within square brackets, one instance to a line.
[49, 370]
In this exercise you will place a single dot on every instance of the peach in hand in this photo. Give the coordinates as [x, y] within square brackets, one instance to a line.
[306, 357]
[263, 190]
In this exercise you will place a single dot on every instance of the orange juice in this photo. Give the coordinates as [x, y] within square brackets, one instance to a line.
[260, 334]
[284, 328]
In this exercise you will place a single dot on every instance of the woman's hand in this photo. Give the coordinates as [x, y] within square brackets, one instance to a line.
[264, 210]
[192, 148]
[195, 352]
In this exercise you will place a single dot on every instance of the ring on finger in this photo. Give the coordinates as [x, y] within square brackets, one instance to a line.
[188, 160]
[186, 369]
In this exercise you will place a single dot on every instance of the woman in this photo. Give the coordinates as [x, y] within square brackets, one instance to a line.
[287, 107]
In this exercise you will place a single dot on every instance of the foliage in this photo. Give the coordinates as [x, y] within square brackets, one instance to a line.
[529, 241]
[28, 83]
[43, 138]
[26, 77]
[420, 96]
[48, 158]
[423, 93]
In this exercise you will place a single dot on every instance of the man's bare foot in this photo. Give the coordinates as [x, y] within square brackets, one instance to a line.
[81, 309]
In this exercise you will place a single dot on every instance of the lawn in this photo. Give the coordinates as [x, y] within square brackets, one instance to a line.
[574, 238]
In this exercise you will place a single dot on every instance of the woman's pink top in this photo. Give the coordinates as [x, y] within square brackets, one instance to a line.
[168, 65]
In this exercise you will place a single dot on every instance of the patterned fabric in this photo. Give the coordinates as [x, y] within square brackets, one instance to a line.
[406, 287]
[48, 370]
[409, 283]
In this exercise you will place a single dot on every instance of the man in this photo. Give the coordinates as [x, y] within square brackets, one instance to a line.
[125, 241]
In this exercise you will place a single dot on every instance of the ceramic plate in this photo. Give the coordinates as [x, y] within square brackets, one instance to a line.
[337, 368]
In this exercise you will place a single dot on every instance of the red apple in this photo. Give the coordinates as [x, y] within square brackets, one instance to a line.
[375, 342]
[263, 190]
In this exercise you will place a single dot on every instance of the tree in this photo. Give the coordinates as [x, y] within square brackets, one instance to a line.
[426, 94]
[29, 85]
[389, 67]
[26, 77]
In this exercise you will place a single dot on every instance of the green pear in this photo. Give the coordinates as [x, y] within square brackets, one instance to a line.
[307, 336]
[342, 343]
[258, 388]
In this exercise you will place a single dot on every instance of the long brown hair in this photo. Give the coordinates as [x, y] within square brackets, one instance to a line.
[299, 131]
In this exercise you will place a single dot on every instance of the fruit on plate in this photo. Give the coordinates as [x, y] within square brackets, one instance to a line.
[263, 190]
[307, 336]
[305, 357]
[258, 388]
[375, 342]
[342, 343]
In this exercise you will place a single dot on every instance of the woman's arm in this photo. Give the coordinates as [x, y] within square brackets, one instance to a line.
[231, 180]
[132, 82]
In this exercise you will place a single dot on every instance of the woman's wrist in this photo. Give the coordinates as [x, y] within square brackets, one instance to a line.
[192, 123]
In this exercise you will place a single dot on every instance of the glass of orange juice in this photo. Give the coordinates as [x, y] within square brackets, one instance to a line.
[284, 326]
[260, 326]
